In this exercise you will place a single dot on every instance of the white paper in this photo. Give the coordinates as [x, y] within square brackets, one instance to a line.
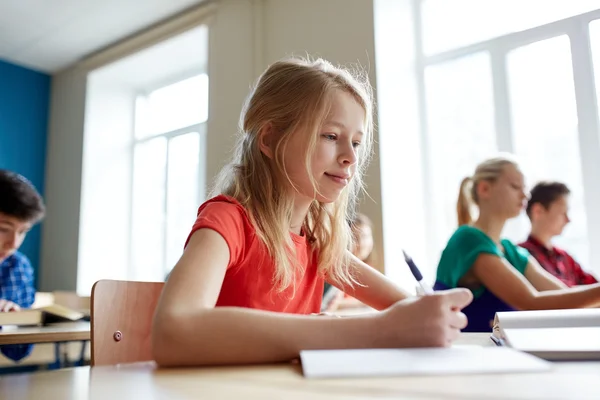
[426, 361]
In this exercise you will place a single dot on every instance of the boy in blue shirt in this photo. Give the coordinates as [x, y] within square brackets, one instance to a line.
[21, 207]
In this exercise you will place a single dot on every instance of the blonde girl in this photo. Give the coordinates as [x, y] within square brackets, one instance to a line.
[255, 262]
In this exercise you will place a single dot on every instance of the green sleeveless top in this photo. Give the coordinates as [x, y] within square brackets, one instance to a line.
[463, 248]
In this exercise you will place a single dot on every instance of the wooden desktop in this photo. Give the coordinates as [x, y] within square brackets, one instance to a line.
[567, 380]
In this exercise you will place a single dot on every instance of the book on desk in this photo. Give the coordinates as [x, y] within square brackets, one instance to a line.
[572, 334]
[42, 315]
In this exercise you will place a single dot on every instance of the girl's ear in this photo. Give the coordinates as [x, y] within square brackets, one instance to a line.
[265, 140]
[483, 189]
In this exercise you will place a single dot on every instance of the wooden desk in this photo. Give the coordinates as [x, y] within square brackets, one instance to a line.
[285, 381]
[63, 332]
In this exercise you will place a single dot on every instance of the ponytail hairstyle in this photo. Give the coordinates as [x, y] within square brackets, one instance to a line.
[489, 170]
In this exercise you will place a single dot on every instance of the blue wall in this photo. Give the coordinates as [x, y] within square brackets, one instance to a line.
[24, 103]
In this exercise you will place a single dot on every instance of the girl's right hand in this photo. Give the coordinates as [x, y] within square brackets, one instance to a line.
[434, 320]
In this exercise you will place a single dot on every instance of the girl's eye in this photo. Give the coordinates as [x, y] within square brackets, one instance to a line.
[329, 136]
[356, 144]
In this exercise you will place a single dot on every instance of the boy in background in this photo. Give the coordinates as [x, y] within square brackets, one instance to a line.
[21, 207]
[547, 210]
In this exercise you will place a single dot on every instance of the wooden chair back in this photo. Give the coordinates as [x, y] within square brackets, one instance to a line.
[121, 321]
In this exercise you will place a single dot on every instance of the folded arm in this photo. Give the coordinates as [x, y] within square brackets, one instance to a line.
[498, 276]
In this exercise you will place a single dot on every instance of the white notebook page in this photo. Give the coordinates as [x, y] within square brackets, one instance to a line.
[427, 361]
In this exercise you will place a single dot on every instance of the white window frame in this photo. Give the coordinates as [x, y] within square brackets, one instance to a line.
[577, 29]
[201, 129]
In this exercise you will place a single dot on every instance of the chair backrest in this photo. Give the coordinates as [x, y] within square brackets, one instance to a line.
[121, 321]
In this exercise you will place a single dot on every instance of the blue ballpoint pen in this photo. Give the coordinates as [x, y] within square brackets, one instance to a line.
[417, 274]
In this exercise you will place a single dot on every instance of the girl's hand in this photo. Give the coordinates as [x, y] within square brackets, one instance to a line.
[433, 320]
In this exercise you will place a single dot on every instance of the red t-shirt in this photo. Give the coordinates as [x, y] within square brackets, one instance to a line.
[249, 280]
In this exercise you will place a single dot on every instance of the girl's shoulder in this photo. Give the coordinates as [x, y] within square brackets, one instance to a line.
[223, 204]
[469, 236]
[516, 255]
[227, 216]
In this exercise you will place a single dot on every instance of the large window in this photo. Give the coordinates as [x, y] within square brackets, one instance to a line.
[452, 24]
[496, 80]
[143, 173]
[460, 116]
[595, 45]
[544, 128]
[167, 173]
[512, 76]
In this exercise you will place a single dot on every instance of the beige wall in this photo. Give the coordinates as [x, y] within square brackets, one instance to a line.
[60, 230]
[245, 36]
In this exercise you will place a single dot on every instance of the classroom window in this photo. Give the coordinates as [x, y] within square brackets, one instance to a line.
[595, 45]
[460, 116]
[143, 173]
[172, 107]
[544, 129]
[452, 24]
[167, 183]
[511, 76]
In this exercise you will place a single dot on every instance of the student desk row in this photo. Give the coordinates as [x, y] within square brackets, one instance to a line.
[61, 332]
[568, 380]
[66, 337]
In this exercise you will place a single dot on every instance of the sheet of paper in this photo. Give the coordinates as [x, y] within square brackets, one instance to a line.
[427, 361]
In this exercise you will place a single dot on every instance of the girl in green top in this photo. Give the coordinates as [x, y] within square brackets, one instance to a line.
[501, 275]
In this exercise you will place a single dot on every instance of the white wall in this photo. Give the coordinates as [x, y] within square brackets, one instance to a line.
[245, 36]
[231, 61]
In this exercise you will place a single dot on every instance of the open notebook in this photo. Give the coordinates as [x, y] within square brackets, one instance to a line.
[551, 334]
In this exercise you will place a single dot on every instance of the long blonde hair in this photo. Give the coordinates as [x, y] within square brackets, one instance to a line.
[489, 170]
[293, 96]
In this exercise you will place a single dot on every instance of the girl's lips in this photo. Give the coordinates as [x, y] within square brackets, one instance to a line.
[341, 179]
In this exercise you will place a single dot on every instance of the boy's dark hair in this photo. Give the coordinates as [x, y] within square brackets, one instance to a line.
[546, 193]
[19, 198]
